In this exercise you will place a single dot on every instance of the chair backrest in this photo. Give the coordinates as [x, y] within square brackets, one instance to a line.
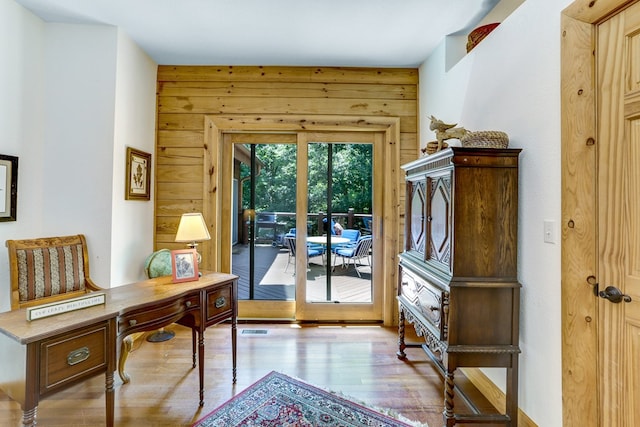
[48, 269]
[290, 243]
[351, 234]
[363, 247]
[367, 224]
[325, 227]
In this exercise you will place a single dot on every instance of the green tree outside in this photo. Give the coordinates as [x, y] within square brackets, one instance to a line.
[276, 184]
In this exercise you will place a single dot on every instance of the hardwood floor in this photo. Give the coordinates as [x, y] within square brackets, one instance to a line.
[356, 360]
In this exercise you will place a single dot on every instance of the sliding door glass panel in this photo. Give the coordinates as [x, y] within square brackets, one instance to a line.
[261, 258]
[339, 263]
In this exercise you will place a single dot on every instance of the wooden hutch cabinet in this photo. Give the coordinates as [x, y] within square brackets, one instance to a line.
[458, 270]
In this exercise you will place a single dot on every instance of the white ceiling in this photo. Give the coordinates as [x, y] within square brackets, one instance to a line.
[367, 33]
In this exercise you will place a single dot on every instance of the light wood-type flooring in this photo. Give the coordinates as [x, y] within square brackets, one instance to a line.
[357, 360]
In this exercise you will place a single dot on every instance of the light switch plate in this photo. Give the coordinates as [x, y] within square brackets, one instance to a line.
[549, 231]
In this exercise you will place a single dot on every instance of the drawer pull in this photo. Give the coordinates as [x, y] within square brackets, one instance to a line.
[220, 302]
[77, 356]
[434, 308]
[188, 304]
[133, 322]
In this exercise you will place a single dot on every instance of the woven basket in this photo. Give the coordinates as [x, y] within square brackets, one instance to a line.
[485, 139]
[432, 147]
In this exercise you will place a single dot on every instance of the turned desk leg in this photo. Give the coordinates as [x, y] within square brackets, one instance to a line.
[234, 333]
[201, 365]
[449, 394]
[29, 417]
[109, 398]
[193, 346]
[401, 344]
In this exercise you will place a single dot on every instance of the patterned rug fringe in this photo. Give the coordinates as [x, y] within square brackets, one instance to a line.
[279, 400]
[386, 411]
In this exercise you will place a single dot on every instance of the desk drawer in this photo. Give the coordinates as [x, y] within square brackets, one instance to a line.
[427, 299]
[156, 315]
[73, 356]
[219, 303]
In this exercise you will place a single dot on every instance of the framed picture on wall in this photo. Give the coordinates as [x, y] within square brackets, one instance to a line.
[8, 188]
[184, 265]
[138, 179]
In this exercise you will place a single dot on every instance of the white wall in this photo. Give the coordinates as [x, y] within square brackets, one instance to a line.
[21, 111]
[135, 115]
[61, 87]
[511, 82]
[78, 137]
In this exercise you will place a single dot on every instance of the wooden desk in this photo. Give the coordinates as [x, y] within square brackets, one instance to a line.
[41, 357]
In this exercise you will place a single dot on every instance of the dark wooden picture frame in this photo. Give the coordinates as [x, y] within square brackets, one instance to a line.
[184, 265]
[8, 188]
[138, 178]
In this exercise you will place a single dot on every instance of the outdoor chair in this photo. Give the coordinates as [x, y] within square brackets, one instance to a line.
[366, 229]
[292, 233]
[352, 235]
[354, 253]
[290, 243]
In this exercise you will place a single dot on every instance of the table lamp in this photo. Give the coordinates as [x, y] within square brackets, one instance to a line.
[191, 230]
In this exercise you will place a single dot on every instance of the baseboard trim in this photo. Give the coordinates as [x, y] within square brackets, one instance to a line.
[493, 394]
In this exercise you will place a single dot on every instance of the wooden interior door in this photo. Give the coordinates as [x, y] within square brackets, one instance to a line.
[618, 74]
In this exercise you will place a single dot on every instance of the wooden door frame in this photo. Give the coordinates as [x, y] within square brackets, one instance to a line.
[580, 328]
[217, 251]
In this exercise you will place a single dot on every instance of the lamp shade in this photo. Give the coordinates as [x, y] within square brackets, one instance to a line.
[192, 228]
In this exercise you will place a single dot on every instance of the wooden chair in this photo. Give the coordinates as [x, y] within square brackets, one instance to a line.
[50, 269]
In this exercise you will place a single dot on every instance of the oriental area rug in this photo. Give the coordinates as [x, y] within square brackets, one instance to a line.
[278, 400]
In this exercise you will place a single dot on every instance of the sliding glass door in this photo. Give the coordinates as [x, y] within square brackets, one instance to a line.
[305, 245]
[339, 207]
[266, 202]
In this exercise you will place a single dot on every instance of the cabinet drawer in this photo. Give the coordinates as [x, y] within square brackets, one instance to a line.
[427, 300]
[219, 303]
[71, 357]
[143, 319]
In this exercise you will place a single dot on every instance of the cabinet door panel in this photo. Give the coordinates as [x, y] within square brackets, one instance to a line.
[417, 219]
[439, 220]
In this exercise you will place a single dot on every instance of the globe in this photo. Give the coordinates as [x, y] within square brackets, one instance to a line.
[158, 264]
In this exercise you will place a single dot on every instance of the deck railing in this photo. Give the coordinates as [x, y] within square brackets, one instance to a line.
[284, 221]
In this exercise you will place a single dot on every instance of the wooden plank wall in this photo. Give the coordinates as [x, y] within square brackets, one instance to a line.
[186, 94]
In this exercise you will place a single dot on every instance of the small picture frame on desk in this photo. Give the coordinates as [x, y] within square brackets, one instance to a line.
[138, 179]
[184, 265]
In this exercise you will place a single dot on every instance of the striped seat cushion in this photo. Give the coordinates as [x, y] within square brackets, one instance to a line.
[44, 272]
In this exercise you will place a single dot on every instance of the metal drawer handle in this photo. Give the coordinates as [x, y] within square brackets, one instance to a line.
[188, 304]
[133, 322]
[434, 308]
[220, 302]
[77, 356]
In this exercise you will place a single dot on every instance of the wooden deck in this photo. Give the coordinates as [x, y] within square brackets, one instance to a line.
[275, 277]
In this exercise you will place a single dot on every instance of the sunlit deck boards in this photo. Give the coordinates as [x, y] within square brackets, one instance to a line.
[275, 280]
